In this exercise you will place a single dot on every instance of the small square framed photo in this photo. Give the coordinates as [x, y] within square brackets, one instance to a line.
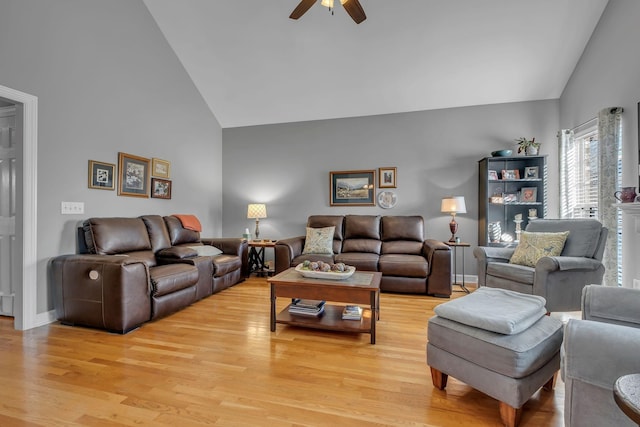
[531, 172]
[160, 168]
[387, 177]
[529, 194]
[510, 174]
[493, 175]
[102, 176]
[160, 188]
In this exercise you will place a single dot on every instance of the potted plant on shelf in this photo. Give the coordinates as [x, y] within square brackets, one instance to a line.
[528, 146]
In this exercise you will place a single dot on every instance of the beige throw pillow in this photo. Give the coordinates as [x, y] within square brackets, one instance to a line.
[534, 246]
[319, 240]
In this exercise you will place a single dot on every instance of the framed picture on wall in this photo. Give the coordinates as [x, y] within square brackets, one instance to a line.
[102, 176]
[134, 175]
[387, 177]
[160, 168]
[352, 188]
[160, 188]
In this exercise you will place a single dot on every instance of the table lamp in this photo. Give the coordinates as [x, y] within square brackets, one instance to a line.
[257, 211]
[453, 205]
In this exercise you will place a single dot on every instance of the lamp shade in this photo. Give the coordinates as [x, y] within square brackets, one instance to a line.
[257, 210]
[453, 205]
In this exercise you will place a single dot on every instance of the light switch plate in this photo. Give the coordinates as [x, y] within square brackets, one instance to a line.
[72, 208]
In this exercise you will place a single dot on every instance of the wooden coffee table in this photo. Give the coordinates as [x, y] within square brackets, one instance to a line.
[363, 288]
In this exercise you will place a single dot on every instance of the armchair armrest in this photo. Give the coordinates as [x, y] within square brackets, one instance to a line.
[438, 255]
[611, 305]
[176, 252]
[487, 254]
[598, 353]
[567, 263]
[286, 250]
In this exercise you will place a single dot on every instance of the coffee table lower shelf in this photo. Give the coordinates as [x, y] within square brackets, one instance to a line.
[330, 319]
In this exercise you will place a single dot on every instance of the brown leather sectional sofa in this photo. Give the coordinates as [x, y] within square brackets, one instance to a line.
[132, 270]
[393, 245]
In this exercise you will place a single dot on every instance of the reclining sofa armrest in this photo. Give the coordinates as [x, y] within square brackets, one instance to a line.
[175, 253]
[438, 257]
[611, 305]
[110, 292]
[228, 245]
[286, 250]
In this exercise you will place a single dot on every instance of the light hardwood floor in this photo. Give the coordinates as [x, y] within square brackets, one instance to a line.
[217, 363]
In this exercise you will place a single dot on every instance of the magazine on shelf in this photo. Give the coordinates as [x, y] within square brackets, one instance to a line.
[352, 312]
[306, 307]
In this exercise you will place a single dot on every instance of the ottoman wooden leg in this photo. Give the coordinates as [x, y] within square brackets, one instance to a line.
[438, 378]
[549, 385]
[509, 415]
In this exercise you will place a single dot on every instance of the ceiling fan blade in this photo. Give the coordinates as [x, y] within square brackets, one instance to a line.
[355, 10]
[301, 8]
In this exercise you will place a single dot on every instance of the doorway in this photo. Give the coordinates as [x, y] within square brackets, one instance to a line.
[10, 259]
[24, 301]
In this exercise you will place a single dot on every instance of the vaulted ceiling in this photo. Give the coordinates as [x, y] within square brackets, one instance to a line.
[253, 65]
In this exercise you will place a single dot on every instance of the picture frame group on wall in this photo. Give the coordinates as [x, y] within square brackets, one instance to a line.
[352, 188]
[133, 173]
[102, 176]
[387, 177]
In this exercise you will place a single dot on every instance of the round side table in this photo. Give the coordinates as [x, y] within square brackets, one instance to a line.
[626, 393]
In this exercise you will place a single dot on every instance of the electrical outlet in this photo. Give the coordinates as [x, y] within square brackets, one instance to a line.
[72, 208]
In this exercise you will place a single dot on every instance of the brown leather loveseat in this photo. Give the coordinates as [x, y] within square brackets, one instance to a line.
[132, 270]
[393, 245]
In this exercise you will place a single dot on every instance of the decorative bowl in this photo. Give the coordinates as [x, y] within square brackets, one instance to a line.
[502, 153]
[331, 275]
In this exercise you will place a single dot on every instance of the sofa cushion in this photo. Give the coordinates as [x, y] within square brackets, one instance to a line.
[362, 245]
[321, 221]
[514, 272]
[158, 234]
[402, 247]
[319, 240]
[402, 228]
[111, 236]
[362, 227]
[205, 250]
[178, 234]
[534, 246]
[170, 278]
[584, 234]
[361, 261]
[403, 265]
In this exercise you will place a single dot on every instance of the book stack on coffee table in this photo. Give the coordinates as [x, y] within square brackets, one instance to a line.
[352, 312]
[306, 307]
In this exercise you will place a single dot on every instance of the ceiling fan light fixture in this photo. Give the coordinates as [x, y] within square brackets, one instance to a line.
[328, 3]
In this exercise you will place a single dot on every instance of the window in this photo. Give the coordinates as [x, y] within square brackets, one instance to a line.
[580, 173]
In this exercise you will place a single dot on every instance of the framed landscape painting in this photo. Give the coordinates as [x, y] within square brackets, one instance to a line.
[134, 175]
[352, 188]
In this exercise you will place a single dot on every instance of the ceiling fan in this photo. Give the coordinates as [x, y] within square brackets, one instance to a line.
[353, 8]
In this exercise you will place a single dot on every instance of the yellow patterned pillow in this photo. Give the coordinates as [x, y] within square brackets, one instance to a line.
[319, 241]
[534, 246]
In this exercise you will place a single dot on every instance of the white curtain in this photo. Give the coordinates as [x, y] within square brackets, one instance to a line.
[610, 176]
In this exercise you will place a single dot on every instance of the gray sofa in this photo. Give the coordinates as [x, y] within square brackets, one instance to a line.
[394, 245]
[596, 351]
[557, 279]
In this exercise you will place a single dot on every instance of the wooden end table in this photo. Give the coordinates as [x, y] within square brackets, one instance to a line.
[256, 256]
[363, 287]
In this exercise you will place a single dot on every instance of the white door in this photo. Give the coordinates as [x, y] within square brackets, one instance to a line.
[9, 267]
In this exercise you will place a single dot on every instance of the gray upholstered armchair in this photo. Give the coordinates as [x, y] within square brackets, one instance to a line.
[596, 351]
[559, 279]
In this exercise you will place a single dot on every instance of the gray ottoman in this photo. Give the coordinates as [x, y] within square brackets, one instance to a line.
[499, 342]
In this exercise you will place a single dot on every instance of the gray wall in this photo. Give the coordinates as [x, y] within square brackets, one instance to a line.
[107, 82]
[608, 75]
[436, 152]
